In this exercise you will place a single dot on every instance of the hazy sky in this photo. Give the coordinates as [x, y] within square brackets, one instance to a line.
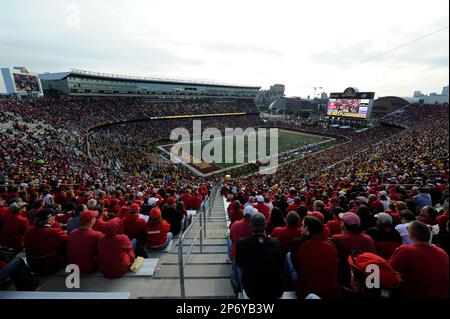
[298, 43]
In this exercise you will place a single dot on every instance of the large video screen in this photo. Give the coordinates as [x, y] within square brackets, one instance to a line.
[26, 82]
[348, 107]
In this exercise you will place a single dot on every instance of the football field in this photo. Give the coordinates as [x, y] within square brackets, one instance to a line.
[231, 151]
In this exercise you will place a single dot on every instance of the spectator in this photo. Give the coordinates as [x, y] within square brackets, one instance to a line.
[276, 220]
[262, 207]
[422, 199]
[428, 278]
[158, 235]
[236, 213]
[261, 261]
[315, 261]
[389, 280]
[82, 244]
[428, 215]
[386, 237]
[45, 245]
[74, 222]
[18, 272]
[13, 228]
[348, 240]
[288, 233]
[173, 216]
[115, 251]
[133, 226]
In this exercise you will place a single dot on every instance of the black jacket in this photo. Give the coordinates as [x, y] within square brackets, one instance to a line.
[262, 262]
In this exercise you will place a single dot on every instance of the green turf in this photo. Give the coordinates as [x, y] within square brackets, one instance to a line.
[286, 141]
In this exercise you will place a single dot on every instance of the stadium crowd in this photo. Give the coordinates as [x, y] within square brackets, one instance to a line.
[380, 198]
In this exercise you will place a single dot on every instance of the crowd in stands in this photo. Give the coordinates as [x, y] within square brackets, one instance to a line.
[194, 108]
[386, 205]
[380, 198]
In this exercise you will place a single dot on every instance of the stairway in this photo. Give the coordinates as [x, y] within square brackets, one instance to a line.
[207, 273]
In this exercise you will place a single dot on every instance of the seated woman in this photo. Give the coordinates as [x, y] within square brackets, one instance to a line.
[158, 235]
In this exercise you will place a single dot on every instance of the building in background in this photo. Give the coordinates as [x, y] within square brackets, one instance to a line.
[86, 83]
[266, 97]
[433, 98]
[18, 82]
[445, 91]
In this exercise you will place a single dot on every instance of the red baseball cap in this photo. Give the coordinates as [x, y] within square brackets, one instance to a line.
[87, 216]
[350, 218]
[389, 279]
[155, 213]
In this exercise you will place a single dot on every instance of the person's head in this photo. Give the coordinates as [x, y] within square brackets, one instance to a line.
[384, 219]
[410, 204]
[311, 226]
[371, 198]
[91, 204]
[350, 222]
[249, 212]
[45, 216]
[399, 206]
[134, 209]
[251, 200]
[419, 232]
[88, 218]
[302, 211]
[236, 205]
[292, 219]
[180, 205]
[429, 211]
[260, 199]
[297, 200]
[17, 207]
[258, 223]
[406, 216]
[155, 216]
[318, 205]
[276, 217]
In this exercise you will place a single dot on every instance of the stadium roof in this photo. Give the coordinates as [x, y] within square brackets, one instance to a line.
[114, 77]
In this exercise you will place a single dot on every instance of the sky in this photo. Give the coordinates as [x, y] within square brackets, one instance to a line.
[301, 44]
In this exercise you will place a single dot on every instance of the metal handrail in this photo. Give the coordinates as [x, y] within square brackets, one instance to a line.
[201, 232]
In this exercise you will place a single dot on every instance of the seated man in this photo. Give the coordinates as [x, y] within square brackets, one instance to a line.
[115, 251]
[45, 245]
[287, 234]
[386, 237]
[422, 266]
[82, 244]
[316, 262]
[262, 262]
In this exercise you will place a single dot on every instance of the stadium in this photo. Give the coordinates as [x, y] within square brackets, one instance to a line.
[87, 181]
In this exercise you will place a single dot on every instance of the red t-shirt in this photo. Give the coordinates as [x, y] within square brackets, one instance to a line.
[82, 249]
[286, 236]
[317, 269]
[240, 229]
[424, 271]
[99, 225]
[235, 215]
[157, 234]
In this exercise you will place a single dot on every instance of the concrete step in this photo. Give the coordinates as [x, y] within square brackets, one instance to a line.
[197, 259]
[194, 271]
[206, 249]
[206, 241]
[146, 287]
